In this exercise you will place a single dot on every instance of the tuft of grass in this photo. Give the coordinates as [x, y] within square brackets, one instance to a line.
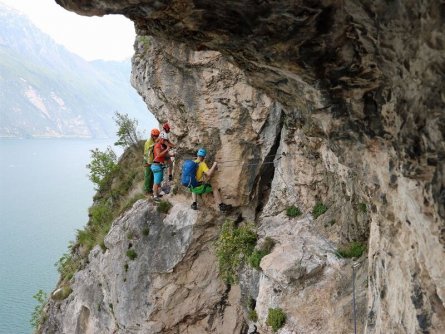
[164, 206]
[68, 265]
[131, 254]
[276, 318]
[252, 315]
[293, 211]
[233, 247]
[146, 231]
[256, 256]
[126, 266]
[362, 207]
[353, 249]
[319, 209]
[251, 304]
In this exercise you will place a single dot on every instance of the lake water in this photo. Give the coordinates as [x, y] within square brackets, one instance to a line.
[44, 197]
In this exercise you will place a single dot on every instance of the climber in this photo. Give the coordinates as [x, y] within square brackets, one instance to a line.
[203, 174]
[160, 152]
[171, 157]
[148, 159]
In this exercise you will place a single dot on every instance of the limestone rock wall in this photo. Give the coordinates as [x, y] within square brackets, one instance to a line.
[171, 286]
[334, 101]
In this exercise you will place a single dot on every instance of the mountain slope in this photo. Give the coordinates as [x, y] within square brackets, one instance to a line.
[47, 91]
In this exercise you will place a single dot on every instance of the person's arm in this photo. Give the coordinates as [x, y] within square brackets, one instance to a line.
[209, 172]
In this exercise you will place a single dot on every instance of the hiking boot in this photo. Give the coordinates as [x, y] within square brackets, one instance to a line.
[224, 207]
[194, 206]
[157, 198]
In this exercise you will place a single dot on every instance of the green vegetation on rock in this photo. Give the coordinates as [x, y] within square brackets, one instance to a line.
[131, 254]
[319, 209]
[276, 318]
[164, 206]
[111, 200]
[293, 211]
[233, 247]
[353, 249]
[258, 254]
[252, 315]
[38, 316]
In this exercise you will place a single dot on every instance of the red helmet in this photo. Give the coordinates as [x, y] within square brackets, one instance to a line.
[155, 132]
[166, 127]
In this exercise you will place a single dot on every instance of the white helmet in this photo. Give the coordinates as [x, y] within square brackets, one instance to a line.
[164, 135]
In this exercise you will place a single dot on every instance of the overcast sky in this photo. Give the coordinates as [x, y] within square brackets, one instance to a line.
[109, 37]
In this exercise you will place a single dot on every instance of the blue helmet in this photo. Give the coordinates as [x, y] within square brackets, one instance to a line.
[202, 152]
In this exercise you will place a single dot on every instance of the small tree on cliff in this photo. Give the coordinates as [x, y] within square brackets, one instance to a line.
[127, 133]
[102, 165]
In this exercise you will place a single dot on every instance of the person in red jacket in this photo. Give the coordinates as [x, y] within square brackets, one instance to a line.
[169, 161]
[160, 153]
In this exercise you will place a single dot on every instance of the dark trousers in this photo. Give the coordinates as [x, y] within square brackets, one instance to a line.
[148, 179]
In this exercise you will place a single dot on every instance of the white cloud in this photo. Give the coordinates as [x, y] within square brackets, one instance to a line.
[110, 37]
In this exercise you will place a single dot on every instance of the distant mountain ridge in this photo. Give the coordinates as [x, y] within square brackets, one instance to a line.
[47, 91]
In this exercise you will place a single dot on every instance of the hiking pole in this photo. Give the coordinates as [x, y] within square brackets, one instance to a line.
[354, 266]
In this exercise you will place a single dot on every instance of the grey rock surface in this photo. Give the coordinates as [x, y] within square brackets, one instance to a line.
[334, 102]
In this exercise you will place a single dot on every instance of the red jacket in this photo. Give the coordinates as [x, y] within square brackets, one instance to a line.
[157, 153]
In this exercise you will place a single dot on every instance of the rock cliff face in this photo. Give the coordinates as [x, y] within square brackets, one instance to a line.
[339, 102]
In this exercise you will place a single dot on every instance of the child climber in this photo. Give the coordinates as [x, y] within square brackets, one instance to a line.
[204, 173]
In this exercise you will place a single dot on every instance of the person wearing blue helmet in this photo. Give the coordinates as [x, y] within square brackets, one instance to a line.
[203, 174]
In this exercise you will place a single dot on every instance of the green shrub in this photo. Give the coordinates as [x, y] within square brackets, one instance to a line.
[164, 206]
[38, 316]
[146, 231]
[131, 254]
[319, 209]
[293, 211]
[276, 318]
[101, 167]
[252, 315]
[233, 247]
[353, 249]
